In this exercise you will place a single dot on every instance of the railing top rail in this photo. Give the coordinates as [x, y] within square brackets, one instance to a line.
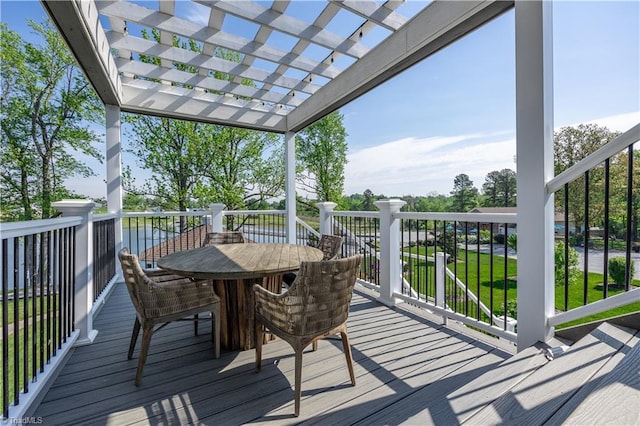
[354, 214]
[167, 213]
[623, 141]
[461, 217]
[104, 216]
[29, 227]
[234, 212]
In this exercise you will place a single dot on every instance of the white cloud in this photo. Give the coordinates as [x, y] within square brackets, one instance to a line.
[419, 166]
[618, 123]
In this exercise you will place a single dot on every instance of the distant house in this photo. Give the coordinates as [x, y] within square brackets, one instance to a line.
[499, 228]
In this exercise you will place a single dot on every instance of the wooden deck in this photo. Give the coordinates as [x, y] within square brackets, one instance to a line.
[409, 370]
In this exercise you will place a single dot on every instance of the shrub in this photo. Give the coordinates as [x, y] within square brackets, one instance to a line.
[572, 261]
[512, 241]
[512, 309]
[485, 236]
[618, 270]
[498, 238]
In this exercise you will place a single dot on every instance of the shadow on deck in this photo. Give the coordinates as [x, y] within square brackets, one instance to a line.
[409, 369]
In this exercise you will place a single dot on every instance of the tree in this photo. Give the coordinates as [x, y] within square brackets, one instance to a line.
[47, 106]
[499, 188]
[211, 163]
[464, 193]
[322, 155]
[240, 174]
[572, 144]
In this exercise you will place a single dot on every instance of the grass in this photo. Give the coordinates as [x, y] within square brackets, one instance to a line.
[474, 269]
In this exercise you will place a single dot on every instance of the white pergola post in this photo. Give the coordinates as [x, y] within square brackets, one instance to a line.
[217, 210]
[534, 135]
[290, 184]
[114, 173]
[390, 266]
[83, 319]
[326, 220]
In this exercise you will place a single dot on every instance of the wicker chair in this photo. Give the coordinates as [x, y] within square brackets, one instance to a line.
[330, 246]
[315, 306]
[230, 237]
[160, 298]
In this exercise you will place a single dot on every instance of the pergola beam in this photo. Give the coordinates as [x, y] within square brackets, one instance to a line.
[79, 25]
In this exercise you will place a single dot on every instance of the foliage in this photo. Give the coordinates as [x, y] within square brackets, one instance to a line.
[189, 160]
[446, 241]
[512, 241]
[572, 261]
[464, 194]
[618, 269]
[321, 150]
[512, 309]
[499, 189]
[572, 144]
[47, 106]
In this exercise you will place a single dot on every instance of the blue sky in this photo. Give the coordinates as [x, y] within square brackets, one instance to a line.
[455, 111]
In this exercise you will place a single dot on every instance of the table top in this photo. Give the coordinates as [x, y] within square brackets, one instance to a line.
[239, 261]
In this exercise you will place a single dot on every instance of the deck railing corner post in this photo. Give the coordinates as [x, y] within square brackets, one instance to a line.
[389, 248]
[83, 298]
[326, 218]
[217, 210]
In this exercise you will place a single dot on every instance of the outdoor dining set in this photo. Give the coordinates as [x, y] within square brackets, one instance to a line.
[250, 292]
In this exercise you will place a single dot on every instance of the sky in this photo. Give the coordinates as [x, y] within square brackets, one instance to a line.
[455, 111]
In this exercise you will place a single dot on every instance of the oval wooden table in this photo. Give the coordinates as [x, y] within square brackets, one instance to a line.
[233, 270]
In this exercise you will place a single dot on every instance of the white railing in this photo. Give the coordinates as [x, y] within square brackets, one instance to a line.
[560, 182]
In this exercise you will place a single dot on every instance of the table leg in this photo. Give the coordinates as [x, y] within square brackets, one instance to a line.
[237, 306]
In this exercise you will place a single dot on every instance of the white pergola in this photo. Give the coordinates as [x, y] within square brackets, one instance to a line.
[336, 51]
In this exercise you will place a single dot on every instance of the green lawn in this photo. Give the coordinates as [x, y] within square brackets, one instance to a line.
[476, 271]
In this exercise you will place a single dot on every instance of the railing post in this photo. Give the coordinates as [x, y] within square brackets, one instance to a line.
[83, 320]
[389, 247]
[216, 216]
[326, 219]
[440, 265]
[290, 185]
[441, 259]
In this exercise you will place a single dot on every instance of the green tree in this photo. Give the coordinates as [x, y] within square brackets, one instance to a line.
[322, 155]
[174, 153]
[246, 168]
[46, 108]
[464, 194]
[572, 144]
[499, 188]
[189, 160]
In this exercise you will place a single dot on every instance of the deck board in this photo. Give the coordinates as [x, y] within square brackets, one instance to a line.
[410, 369]
[538, 396]
[396, 354]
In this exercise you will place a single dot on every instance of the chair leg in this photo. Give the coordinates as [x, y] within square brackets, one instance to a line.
[347, 354]
[259, 335]
[134, 338]
[147, 332]
[314, 345]
[298, 381]
[195, 324]
[215, 331]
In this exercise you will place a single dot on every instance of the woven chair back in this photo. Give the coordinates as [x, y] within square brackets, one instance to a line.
[230, 237]
[319, 298]
[131, 270]
[330, 246]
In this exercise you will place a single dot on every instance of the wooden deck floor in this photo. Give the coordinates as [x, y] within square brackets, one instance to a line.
[397, 354]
